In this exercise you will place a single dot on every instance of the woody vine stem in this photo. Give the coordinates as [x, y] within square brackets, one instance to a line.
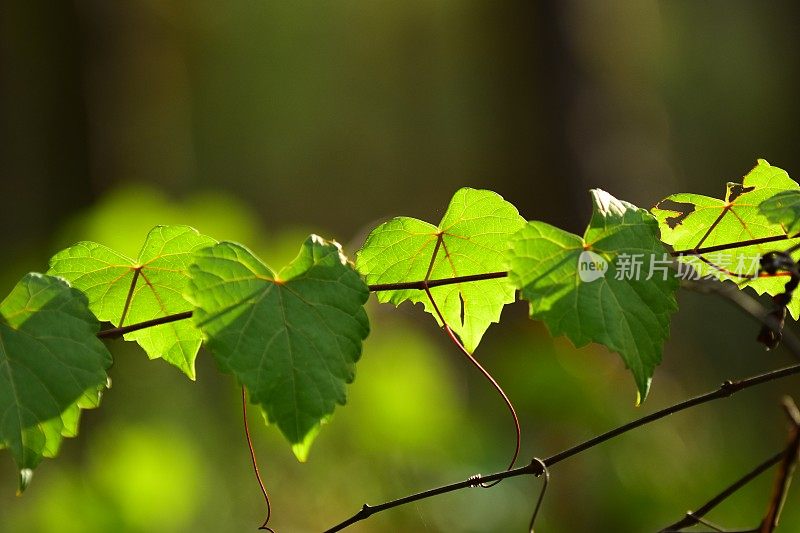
[112, 333]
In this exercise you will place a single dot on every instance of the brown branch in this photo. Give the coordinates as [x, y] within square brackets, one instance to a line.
[423, 284]
[114, 333]
[733, 245]
[411, 285]
[420, 285]
[786, 457]
[533, 468]
[784, 477]
[695, 517]
[431, 283]
[725, 390]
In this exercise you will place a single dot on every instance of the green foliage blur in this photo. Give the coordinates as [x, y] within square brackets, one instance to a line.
[263, 121]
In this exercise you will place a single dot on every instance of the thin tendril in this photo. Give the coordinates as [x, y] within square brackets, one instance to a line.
[475, 363]
[263, 526]
[491, 380]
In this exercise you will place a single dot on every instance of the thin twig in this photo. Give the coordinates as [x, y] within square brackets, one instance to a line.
[420, 285]
[784, 477]
[533, 468]
[695, 517]
[431, 283]
[725, 390]
[114, 333]
[378, 287]
[411, 285]
[733, 245]
[788, 459]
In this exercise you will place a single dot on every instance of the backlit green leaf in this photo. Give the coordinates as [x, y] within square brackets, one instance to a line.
[66, 425]
[784, 209]
[292, 338]
[44, 439]
[51, 365]
[471, 239]
[610, 286]
[122, 290]
[690, 221]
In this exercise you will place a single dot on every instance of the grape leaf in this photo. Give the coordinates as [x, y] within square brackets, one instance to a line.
[45, 438]
[690, 221]
[291, 339]
[601, 288]
[50, 360]
[784, 209]
[66, 425]
[124, 290]
[471, 239]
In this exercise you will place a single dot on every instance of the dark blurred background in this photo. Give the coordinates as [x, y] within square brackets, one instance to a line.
[262, 121]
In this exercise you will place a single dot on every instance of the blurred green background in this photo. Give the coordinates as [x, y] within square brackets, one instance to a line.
[262, 121]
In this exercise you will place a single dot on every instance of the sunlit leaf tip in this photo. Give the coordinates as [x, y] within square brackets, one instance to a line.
[301, 449]
[25, 477]
[291, 338]
[471, 238]
[599, 287]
